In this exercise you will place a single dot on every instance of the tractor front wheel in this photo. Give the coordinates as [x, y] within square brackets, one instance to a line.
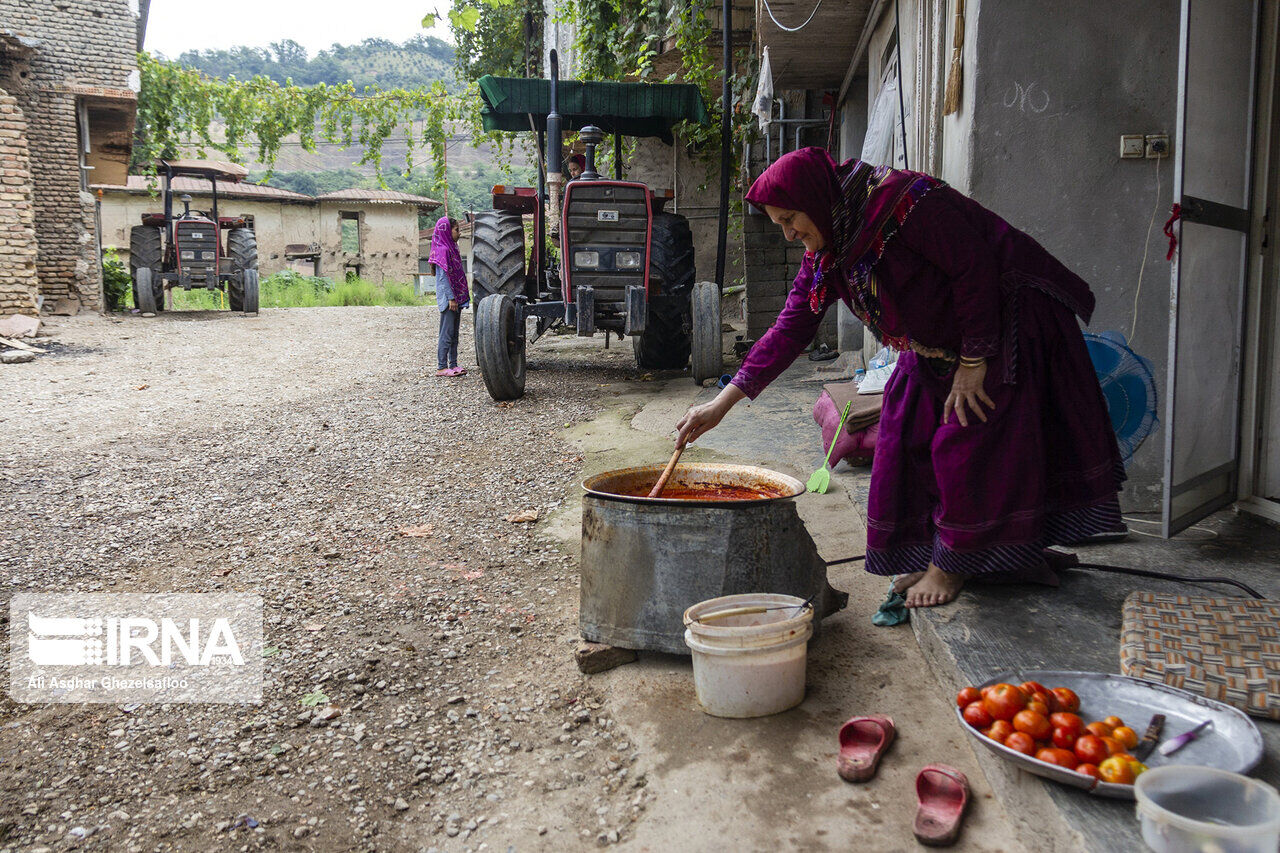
[249, 284]
[242, 249]
[144, 292]
[500, 347]
[708, 355]
[146, 252]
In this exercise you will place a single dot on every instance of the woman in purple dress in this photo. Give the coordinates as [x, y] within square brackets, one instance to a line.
[994, 436]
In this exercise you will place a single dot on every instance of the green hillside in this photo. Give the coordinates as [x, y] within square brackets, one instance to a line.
[374, 62]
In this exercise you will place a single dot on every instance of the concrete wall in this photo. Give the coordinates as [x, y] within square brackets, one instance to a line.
[82, 43]
[388, 241]
[1058, 85]
[18, 281]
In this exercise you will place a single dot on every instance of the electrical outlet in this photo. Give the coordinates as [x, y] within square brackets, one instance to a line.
[1132, 145]
[1157, 146]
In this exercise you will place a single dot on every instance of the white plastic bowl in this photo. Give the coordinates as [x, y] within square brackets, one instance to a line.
[752, 664]
[1189, 809]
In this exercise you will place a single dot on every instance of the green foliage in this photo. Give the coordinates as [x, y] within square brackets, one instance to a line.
[117, 289]
[177, 107]
[289, 289]
[420, 61]
[491, 37]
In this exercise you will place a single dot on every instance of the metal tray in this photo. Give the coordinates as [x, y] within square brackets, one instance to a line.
[1231, 743]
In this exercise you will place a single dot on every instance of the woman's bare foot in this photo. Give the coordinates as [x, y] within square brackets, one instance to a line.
[901, 583]
[936, 587]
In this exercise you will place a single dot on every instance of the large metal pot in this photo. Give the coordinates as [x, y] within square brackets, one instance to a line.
[644, 561]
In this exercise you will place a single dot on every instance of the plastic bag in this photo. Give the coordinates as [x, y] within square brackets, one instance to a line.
[885, 357]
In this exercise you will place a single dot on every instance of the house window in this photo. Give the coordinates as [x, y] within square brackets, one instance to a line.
[350, 232]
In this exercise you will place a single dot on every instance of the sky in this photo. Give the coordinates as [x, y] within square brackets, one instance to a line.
[173, 25]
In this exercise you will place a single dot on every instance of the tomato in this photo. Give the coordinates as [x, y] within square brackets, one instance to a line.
[1029, 687]
[1004, 701]
[985, 690]
[1000, 730]
[1070, 722]
[1061, 757]
[1099, 729]
[976, 715]
[1116, 770]
[1036, 725]
[1064, 738]
[1114, 722]
[968, 696]
[1137, 767]
[1021, 742]
[1091, 750]
[1126, 736]
[1114, 747]
[1040, 707]
[1067, 699]
[1089, 770]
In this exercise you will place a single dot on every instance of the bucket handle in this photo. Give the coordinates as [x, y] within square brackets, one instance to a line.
[746, 611]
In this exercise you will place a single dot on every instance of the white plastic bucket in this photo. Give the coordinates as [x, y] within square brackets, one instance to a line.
[1187, 809]
[749, 664]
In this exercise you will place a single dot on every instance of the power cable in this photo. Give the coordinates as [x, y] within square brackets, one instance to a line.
[783, 26]
[1133, 328]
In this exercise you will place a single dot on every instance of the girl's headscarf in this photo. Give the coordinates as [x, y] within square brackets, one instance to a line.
[444, 253]
[857, 207]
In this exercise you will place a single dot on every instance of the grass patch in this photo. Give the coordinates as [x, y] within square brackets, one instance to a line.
[291, 290]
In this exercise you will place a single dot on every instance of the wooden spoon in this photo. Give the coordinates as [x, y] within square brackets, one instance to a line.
[666, 472]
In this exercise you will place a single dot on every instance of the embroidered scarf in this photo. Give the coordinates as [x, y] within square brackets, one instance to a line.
[858, 208]
[444, 253]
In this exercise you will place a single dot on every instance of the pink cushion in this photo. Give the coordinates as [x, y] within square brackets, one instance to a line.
[857, 448]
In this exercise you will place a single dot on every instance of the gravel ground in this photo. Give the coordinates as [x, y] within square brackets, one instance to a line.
[282, 456]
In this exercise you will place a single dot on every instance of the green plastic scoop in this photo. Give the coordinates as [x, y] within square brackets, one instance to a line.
[820, 480]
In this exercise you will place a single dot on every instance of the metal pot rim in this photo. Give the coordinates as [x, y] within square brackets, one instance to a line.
[789, 487]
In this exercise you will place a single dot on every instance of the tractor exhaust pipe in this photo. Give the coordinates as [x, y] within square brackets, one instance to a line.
[555, 145]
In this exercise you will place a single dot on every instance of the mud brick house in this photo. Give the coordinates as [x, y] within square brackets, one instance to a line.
[68, 98]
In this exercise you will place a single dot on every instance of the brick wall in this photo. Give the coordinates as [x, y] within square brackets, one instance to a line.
[18, 282]
[81, 43]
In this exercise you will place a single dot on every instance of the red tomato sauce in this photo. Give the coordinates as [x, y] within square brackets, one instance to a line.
[703, 492]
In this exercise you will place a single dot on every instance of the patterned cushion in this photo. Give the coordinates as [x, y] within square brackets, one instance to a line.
[1223, 648]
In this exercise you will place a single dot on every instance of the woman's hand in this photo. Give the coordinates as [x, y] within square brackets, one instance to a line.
[453, 305]
[699, 419]
[966, 392]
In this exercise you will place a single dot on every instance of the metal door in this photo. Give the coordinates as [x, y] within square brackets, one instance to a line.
[1212, 169]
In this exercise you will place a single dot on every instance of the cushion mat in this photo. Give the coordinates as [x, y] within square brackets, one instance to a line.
[1223, 648]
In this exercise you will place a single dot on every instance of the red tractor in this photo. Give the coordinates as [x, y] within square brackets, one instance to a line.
[625, 264]
[188, 250]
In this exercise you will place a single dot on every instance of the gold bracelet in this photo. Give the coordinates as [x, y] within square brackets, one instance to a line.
[972, 362]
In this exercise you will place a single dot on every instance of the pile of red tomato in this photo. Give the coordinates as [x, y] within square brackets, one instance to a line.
[1044, 724]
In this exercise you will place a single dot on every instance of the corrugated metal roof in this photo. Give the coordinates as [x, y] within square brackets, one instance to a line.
[139, 184]
[380, 197]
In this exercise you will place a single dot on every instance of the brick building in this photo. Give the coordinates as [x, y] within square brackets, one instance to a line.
[68, 98]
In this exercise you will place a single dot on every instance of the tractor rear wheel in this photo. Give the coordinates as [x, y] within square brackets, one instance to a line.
[242, 249]
[664, 345]
[500, 347]
[497, 254]
[708, 354]
[146, 252]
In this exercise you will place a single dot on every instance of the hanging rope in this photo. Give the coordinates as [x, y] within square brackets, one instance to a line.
[783, 26]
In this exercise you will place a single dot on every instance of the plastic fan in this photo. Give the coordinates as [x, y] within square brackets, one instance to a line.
[1129, 387]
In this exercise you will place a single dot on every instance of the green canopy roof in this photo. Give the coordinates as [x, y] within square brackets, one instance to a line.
[632, 109]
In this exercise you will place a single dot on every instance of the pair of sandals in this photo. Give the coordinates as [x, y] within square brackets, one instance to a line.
[942, 792]
[451, 371]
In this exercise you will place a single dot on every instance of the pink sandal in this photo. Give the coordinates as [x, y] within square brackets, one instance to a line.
[862, 741]
[943, 794]
[443, 372]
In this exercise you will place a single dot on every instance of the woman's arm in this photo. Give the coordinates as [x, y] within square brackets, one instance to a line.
[699, 419]
[787, 337]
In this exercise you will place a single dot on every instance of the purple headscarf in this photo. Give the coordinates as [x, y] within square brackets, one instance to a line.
[444, 253]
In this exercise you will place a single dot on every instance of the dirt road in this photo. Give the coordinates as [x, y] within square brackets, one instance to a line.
[281, 455]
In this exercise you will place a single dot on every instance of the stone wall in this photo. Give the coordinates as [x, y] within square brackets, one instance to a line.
[86, 49]
[18, 282]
